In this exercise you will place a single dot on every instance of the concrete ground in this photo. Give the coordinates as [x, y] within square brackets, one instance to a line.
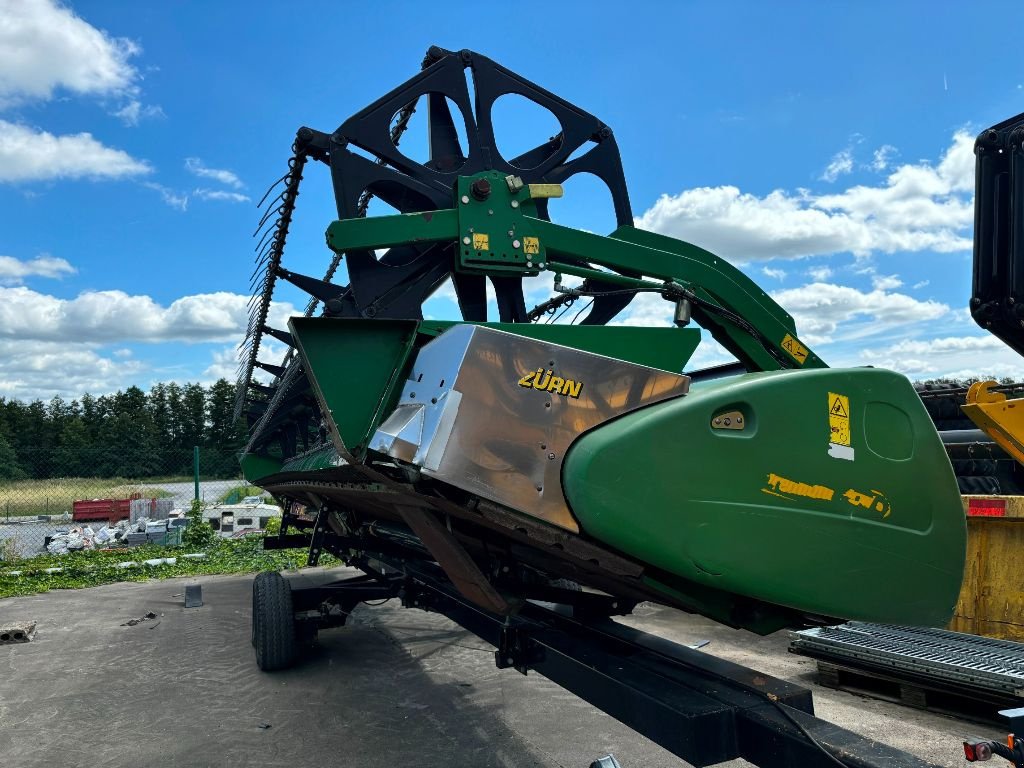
[394, 688]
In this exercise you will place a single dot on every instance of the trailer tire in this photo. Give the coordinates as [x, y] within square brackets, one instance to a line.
[273, 622]
[985, 486]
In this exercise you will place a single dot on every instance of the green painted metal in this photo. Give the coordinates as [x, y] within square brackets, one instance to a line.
[355, 368]
[324, 458]
[255, 466]
[667, 349]
[386, 231]
[748, 322]
[766, 511]
[495, 233]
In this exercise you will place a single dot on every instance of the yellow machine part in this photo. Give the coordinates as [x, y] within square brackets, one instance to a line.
[999, 418]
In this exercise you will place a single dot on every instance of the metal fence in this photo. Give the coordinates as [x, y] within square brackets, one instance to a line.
[68, 490]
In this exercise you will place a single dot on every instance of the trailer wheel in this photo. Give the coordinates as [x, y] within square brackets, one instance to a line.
[273, 625]
[254, 616]
[979, 485]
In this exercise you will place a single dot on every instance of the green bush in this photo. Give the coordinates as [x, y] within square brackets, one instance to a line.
[198, 532]
[89, 568]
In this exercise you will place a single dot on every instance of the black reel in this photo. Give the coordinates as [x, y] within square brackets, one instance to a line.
[366, 161]
[397, 284]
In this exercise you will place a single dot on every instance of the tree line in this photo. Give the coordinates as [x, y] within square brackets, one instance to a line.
[132, 434]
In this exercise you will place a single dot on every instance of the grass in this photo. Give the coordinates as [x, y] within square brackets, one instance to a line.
[240, 492]
[92, 568]
[53, 496]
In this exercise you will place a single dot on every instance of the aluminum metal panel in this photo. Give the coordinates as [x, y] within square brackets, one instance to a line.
[499, 412]
[952, 656]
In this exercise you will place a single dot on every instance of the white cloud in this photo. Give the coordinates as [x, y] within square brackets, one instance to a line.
[957, 357]
[45, 46]
[842, 164]
[886, 282]
[777, 274]
[180, 200]
[195, 166]
[708, 353]
[219, 194]
[105, 317]
[921, 284]
[882, 156]
[820, 274]
[825, 312]
[919, 207]
[34, 369]
[225, 361]
[224, 365]
[14, 271]
[30, 155]
[135, 111]
[647, 309]
[174, 199]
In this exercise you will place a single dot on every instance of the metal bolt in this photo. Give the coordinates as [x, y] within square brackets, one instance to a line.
[511, 232]
[465, 199]
[515, 203]
[551, 456]
[515, 243]
[739, 419]
[490, 212]
[466, 241]
[480, 189]
[412, 394]
[728, 421]
[541, 265]
[529, 263]
[717, 421]
[539, 489]
[543, 447]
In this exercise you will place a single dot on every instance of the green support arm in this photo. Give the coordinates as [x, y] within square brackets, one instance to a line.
[501, 235]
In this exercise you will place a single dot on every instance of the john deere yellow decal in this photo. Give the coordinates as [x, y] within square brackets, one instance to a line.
[795, 349]
[839, 445]
[531, 245]
[481, 242]
[546, 382]
[786, 489]
[875, 500]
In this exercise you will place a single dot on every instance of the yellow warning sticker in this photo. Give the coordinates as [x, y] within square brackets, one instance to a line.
[839, 419]
[795, 349]
[531, 245]
[481, 242]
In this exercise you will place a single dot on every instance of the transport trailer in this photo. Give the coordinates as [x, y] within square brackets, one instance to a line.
[703, 709]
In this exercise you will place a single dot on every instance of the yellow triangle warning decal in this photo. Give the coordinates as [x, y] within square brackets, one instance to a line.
[838, 410]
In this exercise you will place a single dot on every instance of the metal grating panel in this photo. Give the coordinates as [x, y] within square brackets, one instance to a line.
[981, 662]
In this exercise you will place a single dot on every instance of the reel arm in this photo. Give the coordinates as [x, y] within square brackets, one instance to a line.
[496, 232]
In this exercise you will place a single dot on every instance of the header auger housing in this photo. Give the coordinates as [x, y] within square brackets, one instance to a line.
[515, 454]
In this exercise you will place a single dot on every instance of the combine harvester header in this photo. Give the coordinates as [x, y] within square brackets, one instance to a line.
[478, 465]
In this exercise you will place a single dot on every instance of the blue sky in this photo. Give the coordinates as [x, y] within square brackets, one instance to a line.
[824, 147]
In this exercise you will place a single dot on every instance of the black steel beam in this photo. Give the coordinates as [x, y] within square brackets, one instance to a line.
[704, 709]
[701, 708]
